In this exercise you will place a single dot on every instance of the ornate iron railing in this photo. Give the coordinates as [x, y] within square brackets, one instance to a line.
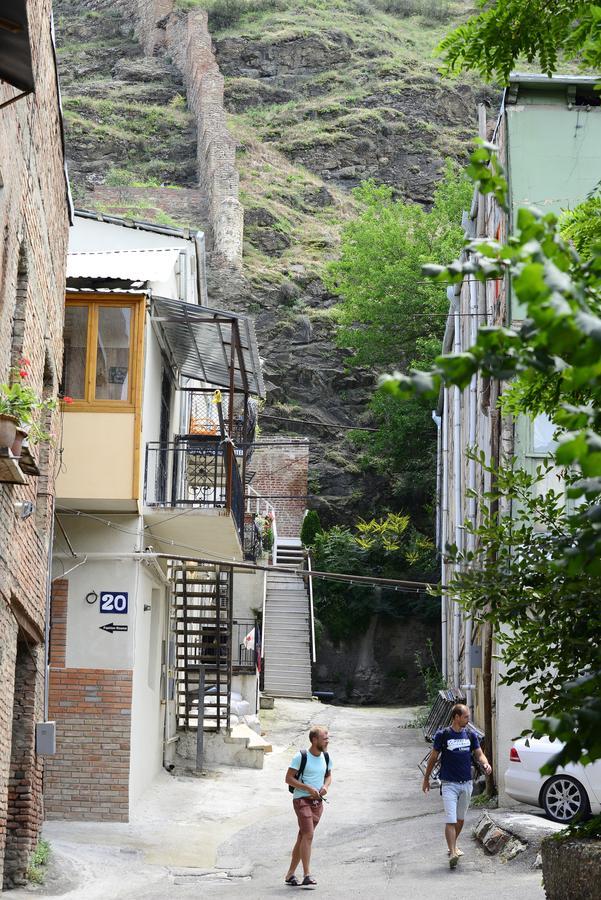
[195, 472]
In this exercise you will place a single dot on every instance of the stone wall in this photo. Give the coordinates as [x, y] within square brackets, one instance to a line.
[185, 37]
[34, 230]
[88, 778]
[281, 468]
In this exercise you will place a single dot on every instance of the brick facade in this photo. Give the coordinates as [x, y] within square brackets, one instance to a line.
[281, 476]
[88, 778]
[34, 232]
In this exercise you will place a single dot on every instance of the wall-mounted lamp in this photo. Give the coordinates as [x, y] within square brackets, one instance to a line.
[24, 508]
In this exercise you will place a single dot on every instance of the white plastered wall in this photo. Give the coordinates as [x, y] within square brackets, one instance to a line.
[147, 720]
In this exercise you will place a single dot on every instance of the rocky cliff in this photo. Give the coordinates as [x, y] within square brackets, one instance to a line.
[319, 96]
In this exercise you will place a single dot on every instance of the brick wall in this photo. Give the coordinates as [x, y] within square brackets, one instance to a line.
[281, 476]
[25, 816]
[185, 37]
[34, 233]
[88, 778]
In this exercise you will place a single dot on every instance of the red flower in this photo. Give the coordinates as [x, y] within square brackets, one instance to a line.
[67, 400]
[23, 373]
[24, 361]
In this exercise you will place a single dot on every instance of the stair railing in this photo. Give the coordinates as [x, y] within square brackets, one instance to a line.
[263, 507]
[311, 613]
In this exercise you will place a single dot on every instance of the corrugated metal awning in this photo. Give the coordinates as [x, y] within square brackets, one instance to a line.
[15, 52]
[125, 265]
[198, 341]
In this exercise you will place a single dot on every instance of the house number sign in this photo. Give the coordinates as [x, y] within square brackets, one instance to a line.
[112, 602]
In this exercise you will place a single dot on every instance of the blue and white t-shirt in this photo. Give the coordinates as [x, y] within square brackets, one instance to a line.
[456, 749]
[314, 774]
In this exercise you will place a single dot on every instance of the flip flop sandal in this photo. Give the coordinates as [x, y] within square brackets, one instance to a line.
[293, 880]
[308, 880]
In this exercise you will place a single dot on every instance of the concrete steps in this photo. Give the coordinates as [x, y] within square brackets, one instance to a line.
[287, 627]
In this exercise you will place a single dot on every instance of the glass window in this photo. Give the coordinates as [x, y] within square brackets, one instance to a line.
[113, 353]
[543, 430]
[76, 342]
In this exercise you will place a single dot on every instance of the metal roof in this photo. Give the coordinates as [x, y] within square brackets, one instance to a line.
[197, 341]
[538, 78]
[15, 52]
[138, 224]
[126, 265]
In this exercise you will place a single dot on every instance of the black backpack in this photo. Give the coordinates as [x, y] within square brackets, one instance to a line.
[304, 763]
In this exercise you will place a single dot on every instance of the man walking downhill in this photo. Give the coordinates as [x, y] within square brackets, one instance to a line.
[310, 774]
[455, 745]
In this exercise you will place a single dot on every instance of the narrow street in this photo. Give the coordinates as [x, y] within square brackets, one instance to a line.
[230, 832]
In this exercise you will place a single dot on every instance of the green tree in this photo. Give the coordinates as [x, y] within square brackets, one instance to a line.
[391, 316]
[506, 31]
[387, 309]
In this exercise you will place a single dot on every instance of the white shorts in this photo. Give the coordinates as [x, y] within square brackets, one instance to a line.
[456, 798]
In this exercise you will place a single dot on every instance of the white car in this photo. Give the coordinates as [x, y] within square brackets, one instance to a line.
[573, 791]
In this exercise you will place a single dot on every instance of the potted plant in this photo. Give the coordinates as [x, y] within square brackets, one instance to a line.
[20, 407]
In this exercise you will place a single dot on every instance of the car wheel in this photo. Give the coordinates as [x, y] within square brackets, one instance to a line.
[563, 799]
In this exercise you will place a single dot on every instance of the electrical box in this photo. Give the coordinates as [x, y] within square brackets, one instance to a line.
[45, 738]
[476, 656]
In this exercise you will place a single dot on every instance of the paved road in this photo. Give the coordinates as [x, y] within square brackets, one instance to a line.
[230, 833]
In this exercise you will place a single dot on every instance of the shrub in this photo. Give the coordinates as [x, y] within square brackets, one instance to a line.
[311, 527]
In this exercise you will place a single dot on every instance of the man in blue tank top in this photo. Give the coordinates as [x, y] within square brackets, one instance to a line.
[455, 746]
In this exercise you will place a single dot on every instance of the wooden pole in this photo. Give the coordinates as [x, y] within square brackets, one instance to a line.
[201, 718]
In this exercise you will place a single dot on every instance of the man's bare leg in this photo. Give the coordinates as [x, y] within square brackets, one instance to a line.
[305, 850]
[458, 827]
[296, 857]
[450, 833]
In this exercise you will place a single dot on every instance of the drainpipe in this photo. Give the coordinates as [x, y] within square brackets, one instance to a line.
[444, 529]
[47, 613]
[457, 478]
[441, 508]
[444, 412]
[471, 483]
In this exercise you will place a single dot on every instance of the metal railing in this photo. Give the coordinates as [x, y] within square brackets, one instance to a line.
[259, 506]
[244, 657]
[195, 472]
[311, 611]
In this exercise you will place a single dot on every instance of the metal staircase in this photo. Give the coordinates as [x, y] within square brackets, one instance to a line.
[202, 627]
[287, 627]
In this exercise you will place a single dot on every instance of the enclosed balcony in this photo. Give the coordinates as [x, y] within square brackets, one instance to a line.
[206, 428]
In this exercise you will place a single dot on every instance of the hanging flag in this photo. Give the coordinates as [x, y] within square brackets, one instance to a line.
[258, 640]
[249, 640]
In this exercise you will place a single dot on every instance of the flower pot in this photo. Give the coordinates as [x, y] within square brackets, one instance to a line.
[8, 430]
[18, 441]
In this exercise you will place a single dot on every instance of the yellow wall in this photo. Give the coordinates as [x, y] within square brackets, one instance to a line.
[98, 456]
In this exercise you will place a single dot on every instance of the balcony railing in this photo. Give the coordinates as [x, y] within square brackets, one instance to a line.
[244, 655]
[194, 472]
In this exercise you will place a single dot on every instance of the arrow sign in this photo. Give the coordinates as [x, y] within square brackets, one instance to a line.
[110, 627]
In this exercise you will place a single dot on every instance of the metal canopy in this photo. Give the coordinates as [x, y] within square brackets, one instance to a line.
[197, 341]
[15, 52]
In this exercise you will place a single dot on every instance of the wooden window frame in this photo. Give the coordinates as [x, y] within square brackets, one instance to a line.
[93, 301]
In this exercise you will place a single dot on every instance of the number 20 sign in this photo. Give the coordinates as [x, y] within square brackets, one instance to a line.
[113, 602]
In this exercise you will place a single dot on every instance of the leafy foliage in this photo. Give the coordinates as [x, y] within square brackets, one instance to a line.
[506, 30]
[391, 316]
[560, 339]
[582, 226]
[389, 548]
[386, 305]
[553, 614]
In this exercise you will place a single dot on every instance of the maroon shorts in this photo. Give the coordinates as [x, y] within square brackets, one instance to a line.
[308, 812]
